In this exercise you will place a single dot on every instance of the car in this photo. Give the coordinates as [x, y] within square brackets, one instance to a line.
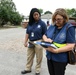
[72, 20]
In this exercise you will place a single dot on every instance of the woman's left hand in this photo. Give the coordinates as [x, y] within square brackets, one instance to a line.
[53, 50]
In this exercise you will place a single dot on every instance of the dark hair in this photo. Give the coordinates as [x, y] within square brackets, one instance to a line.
[31, 19]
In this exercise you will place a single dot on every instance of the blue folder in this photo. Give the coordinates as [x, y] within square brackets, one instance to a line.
[45, 44]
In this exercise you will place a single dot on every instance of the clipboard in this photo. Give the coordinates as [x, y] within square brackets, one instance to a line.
[45, 44]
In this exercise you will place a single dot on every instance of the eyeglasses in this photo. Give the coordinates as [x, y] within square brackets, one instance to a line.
[58, 19]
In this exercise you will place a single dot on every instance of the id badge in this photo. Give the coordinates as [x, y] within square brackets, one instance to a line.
[32, 34]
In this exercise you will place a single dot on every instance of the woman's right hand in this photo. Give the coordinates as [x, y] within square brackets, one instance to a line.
[25, 44]
[49, 40]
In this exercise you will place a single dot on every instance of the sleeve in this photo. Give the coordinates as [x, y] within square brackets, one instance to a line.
[48, 30]
[27, 30]
[70, 35]
[44, 28]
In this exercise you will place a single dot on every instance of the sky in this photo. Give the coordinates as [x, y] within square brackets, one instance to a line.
[24, 6]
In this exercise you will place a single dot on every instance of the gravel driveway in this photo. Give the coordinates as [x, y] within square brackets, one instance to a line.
[13, 54]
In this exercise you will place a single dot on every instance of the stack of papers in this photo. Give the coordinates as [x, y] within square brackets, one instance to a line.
[45, 44]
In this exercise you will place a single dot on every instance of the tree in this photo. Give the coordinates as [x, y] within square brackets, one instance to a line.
[41, 11]
[71, 12]
[8, 13]
[16, 18]
[6, 7]
[47, 12]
